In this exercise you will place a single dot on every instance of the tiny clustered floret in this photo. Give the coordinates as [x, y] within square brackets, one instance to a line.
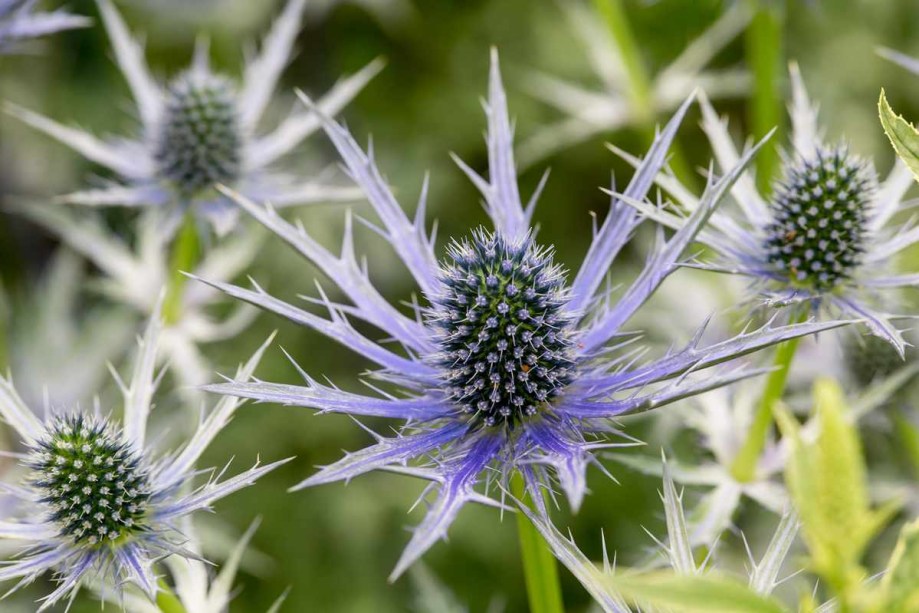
[820, 214]
[504, 337]
[200, 143]
[95, 485]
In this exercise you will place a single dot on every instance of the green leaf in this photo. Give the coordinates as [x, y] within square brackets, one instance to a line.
[827, 482]
[901, 581]
[841, 486]
[709, 593]
[903, 136]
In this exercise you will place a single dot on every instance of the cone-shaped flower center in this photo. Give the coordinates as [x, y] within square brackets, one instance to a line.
[504, 336]
[93, 483]
[870, 357]
[199, 143]
[820, 213]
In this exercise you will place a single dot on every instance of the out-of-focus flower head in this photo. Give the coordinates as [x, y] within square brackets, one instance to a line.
[200, 130]
[133, 274]
[20, 22]
[826, 238]
[509, 366]
[721, 421]
[591, 112]
[98, 503]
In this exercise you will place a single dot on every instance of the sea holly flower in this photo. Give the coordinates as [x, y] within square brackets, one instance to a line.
[591, 111]
[97, 503]
[200, 130]
[826, 238]
[509, 366]
[19, 22]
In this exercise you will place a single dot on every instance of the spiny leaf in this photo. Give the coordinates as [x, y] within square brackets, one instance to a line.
[709, 593]
[840, 474]
[903, 136]
[827, 481]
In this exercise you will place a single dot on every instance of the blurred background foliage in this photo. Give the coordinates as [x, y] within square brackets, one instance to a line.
[334, 546]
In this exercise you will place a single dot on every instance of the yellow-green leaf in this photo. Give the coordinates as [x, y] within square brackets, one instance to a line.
[903, 136]
[827, 482]
[841, 486]
[901, 581]
[709, 593]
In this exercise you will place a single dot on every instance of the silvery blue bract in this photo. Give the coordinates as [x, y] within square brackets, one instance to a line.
[511, 366]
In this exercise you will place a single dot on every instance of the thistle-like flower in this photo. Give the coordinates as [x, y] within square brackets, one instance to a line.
[589, 112]
[19, 22]
[199, 131]
[97, 504]
[509, 367]
[826, 237]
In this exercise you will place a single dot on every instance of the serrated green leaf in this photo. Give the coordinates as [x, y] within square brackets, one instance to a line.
[709, 593]
[839, 477]
[901, 581]
[903, 136]
[827, 482]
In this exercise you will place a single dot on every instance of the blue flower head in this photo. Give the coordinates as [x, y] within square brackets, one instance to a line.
[826, 238]
[97, 503]
[513, 366]
[199, 130]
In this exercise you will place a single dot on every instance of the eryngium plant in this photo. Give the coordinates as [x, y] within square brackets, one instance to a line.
[19, 22]
[97, 505]
[200, 130]
[826, 238]
[510, 366]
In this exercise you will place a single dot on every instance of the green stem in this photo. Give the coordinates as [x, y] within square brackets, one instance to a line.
[167, 602]
[539, 566]
[909, 439]
[639, 89]
[765, 59]
[744, 466]
[185, 254]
